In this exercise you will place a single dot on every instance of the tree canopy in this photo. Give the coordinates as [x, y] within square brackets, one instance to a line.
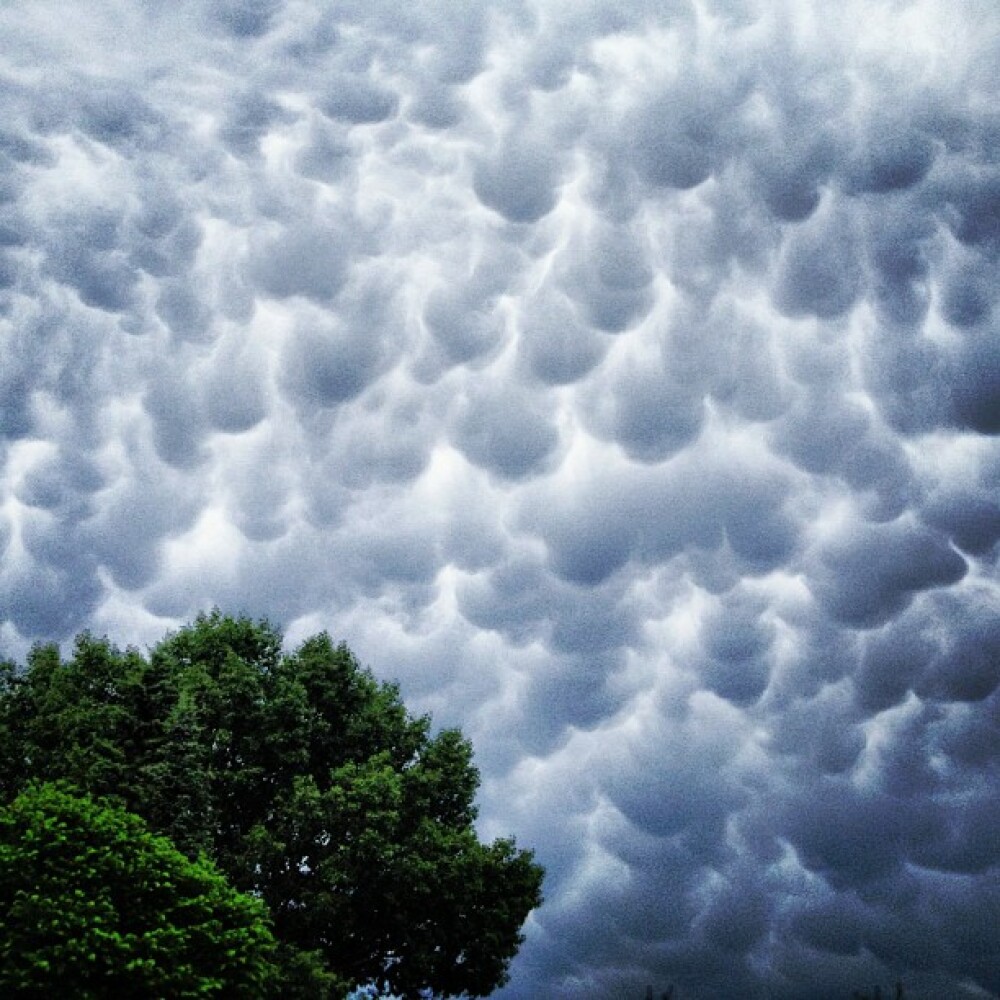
[304, 780]
[90, 898]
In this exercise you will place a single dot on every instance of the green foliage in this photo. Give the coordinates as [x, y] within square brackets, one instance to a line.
[306, 782]
[94, 905]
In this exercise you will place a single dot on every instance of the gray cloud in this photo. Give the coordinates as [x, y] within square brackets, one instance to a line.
[556, 346]
[871, 575]
[518, 180]
[358, 101]
[324, 365]
[309, 260]
[622, 382]
[245, 18]
[819, 272]
[505, 432]
[610, 278]
[736, 644]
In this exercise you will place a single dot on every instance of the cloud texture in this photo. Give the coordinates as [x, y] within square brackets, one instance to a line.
[623, 379]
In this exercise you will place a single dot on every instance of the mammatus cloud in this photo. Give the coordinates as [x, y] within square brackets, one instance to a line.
[624, 382]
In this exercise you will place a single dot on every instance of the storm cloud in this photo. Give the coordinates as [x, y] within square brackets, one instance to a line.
[623, 380]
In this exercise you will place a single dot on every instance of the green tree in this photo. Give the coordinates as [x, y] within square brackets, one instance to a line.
[93, 905]
[308, 784]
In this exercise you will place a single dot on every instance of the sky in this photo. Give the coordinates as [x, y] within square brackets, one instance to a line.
[623, 379]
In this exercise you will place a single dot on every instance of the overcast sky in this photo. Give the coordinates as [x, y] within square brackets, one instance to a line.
[621, 378]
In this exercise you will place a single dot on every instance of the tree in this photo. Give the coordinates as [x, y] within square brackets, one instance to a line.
[94, 904]
[307, 783]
